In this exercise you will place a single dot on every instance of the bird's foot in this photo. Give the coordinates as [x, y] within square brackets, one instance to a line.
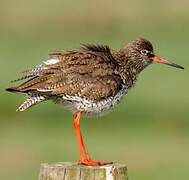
[89, 162]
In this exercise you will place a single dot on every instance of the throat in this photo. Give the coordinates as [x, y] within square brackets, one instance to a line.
[130, 80]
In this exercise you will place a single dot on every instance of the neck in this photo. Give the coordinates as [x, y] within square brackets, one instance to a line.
[129, 66]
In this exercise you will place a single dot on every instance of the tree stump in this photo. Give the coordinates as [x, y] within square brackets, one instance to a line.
[75, 171]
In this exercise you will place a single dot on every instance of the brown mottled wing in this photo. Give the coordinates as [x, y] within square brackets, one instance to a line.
[95, 88]
[87, 73]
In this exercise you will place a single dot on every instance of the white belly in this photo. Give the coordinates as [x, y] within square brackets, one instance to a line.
[76, 103]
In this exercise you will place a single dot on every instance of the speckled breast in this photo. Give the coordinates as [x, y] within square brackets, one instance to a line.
[91, 108]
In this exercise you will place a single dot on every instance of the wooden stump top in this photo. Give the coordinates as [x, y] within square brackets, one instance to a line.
[75, 171]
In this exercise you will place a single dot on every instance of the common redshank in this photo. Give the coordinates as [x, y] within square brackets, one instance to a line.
[89, 81]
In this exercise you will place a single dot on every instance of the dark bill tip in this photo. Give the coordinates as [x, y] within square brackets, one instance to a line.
[157, 59]
[175, 65]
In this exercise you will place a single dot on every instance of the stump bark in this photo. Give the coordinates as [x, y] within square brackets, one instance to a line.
[75, 171]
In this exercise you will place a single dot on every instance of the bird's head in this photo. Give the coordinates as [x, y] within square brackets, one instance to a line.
[141, 51]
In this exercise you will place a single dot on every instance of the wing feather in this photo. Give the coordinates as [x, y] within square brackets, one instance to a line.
[88, 73]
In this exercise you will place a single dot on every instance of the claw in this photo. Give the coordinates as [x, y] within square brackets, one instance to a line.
[87, 162]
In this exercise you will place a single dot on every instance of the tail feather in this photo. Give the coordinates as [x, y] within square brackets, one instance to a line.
[22, 78]
[30, 102]
[12, 89]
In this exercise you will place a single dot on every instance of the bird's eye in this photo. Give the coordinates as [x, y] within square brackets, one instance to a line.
[144, 52]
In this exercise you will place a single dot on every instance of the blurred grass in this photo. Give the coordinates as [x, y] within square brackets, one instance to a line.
[149, 131]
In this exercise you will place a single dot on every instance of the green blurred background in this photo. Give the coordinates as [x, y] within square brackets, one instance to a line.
[149, 131]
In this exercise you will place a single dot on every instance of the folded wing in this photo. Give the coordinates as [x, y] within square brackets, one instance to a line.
[88, 73]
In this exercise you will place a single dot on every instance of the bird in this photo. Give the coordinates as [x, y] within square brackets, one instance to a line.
[90, 81]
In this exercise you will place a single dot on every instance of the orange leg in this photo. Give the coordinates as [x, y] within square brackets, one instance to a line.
[84, 155]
